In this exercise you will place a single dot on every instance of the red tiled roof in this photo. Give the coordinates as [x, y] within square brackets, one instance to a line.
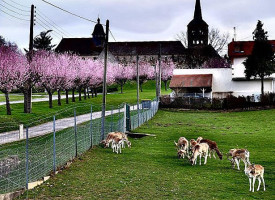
[243, 48]
[193, 80]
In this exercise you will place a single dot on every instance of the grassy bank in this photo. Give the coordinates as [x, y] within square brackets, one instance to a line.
[41, 112]
[151, 170]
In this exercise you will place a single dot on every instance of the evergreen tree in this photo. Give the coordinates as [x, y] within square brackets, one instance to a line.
[261, 62]
[2, 41]
[43, 41]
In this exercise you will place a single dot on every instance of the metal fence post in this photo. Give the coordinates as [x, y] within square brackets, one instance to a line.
[119, 118]
[54, 152]
[91, 127]
[143, 115]
[138, 113]
[27, 158]
[75, 135]
[124, 119]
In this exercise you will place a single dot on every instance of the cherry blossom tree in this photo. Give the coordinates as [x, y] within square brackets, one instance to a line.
[167, 67]
[12, 65]
[146, 72]
[122, 73]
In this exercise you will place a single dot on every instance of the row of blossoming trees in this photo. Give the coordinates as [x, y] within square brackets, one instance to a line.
[66, 72]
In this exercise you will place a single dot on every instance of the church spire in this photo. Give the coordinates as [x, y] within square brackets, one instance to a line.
[197, 13]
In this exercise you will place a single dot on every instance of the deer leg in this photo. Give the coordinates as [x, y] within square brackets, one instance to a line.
[214, 154]
[259, 179]
[249, 184]
[254, 179]
[263, 182]
[237, 162]
[205, 158]
[200, 159]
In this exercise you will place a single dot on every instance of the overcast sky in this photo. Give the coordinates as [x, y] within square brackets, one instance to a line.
[134, 20]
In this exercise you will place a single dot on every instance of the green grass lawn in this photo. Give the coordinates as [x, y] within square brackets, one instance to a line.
[151, 169]
[41, 112]
[20, 97]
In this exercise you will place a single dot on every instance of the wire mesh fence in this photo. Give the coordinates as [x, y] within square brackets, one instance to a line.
[33, 156]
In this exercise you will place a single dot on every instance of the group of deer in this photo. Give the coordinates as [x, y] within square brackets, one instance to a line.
[200, 147]
[252, 171]
[204, 148]
[117, 140]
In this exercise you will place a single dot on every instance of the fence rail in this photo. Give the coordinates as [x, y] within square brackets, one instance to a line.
[31, 159]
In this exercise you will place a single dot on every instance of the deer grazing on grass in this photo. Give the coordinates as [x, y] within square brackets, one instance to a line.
[182, 147]
[117, 144]
[237, 155]
[253, 172]
[112, 135]
[200, 150]
[193, 143]
[213, 147]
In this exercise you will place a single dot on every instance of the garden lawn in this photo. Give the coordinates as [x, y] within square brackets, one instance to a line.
[41, 112]
[151, 169]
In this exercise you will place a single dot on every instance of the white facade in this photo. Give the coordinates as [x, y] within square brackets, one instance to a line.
[223, 82]
[238, 68]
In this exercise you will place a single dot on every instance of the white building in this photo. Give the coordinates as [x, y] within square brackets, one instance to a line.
[221, 82]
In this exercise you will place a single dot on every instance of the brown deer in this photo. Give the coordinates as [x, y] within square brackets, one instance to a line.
[213, 147]
[237, 155]
[253, 172]
[199, 150]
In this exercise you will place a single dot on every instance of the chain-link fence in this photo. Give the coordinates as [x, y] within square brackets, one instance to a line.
[33, 156]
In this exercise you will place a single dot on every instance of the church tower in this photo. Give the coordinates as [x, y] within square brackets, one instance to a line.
[98, 34]
[197, 29]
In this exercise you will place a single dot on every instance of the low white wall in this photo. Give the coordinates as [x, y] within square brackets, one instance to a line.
[222, 82]
[238, 68]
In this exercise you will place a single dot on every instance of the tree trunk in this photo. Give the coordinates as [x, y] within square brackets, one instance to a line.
[59, 98]
[79, 93]
[165, 83]
[140, 86]
[25, 101]
[85, 94]
[121, 87]
[95, 92]
[73, 98]
[262, 85]
[92, 92]
[50, 99]
[8, 103]
[67, 96]
[29, 102]
[88, 93]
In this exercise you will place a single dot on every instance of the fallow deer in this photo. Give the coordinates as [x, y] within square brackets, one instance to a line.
[237, 155]
[213, 147]
[182, 144]
[253, 172]
[200, 150]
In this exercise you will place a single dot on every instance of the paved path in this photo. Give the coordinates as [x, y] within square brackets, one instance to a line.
[46, 128]
[36, 99]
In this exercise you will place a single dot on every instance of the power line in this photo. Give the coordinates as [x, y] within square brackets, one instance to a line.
[70, 12]
[47, 29]
[49, 24]
[14, 11]
[14, 16]
[61, 29]
[112, 35]
[19, 4]
[15, 7]
[12, 19]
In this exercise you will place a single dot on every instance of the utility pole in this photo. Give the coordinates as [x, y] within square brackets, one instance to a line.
[28, 90]
[138, 88]
[159, 78]
[104, 81]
